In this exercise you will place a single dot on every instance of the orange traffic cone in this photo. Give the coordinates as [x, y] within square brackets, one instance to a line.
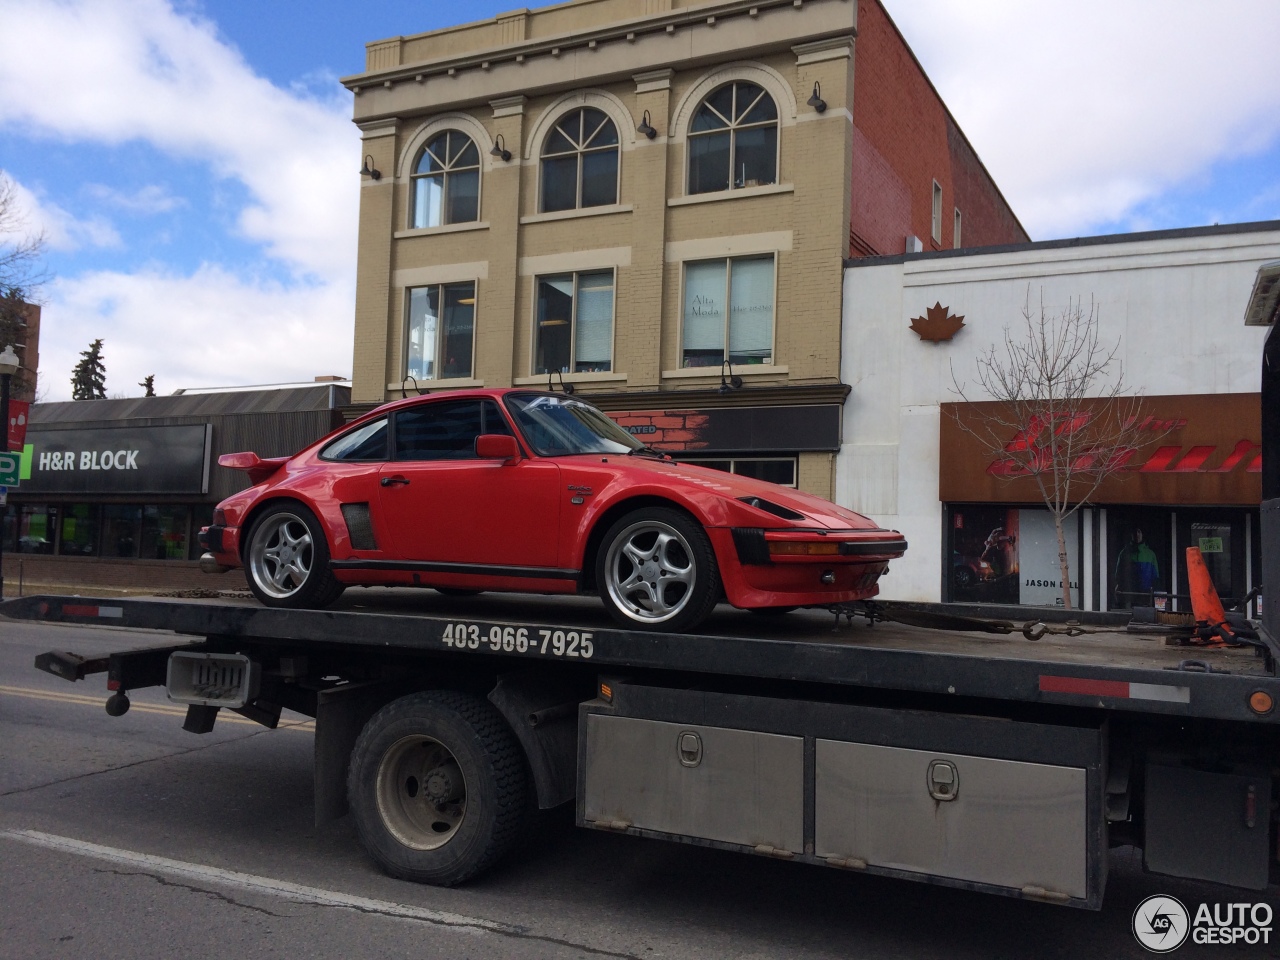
[1211, 620]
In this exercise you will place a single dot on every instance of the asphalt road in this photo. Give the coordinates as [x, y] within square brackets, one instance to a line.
[129, 837]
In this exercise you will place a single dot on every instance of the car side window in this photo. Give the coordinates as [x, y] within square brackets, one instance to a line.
[368, 442]
[446, 430]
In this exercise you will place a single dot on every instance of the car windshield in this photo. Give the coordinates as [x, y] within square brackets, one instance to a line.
[559, 427]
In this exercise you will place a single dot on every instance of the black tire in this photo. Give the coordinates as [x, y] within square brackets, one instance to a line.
[771, 611]
[646, 598]
[458, 747]
[457, 592]
[286, 559]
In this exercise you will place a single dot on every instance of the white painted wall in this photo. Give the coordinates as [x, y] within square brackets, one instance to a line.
[1175, 305]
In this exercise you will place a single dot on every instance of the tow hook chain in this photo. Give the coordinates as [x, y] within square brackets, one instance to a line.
[862, 608]
[1035, 629]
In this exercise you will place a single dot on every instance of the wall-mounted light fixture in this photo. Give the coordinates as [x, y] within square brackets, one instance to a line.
[646, 127]
[564, 387]
[368, 170]
[500, 149]
[816, 100]
[731, 382]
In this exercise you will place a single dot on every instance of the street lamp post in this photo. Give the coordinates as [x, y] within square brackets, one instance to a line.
[8, 367]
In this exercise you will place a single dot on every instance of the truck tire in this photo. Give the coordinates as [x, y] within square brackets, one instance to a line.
[437, 787]
[656, 570]
[287, 559]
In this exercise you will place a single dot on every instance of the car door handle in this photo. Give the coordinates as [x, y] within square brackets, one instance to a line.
[390, 481]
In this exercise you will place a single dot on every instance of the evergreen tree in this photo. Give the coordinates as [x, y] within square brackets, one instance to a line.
[89, 379]
[149, 384]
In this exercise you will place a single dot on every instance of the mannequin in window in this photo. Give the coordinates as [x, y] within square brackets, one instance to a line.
[1137, 570]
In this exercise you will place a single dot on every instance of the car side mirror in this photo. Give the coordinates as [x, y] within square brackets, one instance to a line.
[497, 446]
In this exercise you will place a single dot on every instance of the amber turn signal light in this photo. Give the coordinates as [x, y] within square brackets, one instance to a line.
[1261, 702]
[799, 548]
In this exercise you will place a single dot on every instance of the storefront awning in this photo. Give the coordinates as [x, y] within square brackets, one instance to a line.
[1264, 302]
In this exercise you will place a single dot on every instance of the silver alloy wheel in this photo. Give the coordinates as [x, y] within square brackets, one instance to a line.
[281, 555]
[421, 792]
[650, 571]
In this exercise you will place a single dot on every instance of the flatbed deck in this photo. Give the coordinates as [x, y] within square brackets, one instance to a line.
[1106, 668]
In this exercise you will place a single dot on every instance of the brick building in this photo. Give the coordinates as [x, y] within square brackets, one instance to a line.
[651, 201]
[26, 344]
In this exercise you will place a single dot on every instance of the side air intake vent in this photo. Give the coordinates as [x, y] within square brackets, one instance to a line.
[359, 526]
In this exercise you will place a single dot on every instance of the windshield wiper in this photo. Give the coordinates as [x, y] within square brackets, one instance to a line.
[644, 450]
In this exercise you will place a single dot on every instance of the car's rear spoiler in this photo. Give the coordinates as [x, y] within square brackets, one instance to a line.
[252, 464]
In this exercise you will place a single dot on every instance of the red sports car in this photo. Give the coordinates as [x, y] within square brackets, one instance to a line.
[536, 492]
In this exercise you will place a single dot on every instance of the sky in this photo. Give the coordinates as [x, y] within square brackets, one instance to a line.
[193, 165]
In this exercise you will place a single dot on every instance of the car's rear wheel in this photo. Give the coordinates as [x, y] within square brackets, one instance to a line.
[287, 559]
[656, 570]
[437, 787]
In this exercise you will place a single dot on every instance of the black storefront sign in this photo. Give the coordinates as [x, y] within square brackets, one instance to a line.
[120, 460]
[744, 429]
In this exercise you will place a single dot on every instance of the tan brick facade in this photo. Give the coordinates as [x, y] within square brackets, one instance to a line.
[509, 80]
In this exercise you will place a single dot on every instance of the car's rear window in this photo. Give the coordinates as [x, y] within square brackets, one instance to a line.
[367, 442]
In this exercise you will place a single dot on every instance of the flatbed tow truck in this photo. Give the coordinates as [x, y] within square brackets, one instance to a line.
[988, 755]
[982, 760]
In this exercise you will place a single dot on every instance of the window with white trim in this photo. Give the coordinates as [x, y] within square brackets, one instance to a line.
[445, 183]
[441, 331]
[936, 227]
[733, 139]
[580, 162]
[573, 330]
[728, 312]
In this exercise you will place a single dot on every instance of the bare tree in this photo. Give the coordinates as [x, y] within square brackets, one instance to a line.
[21, 275]
[19, 250]
[1060, 416]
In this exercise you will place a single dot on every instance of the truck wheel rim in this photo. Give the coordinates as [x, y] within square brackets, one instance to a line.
[650, 571]
[422, 795]
[281, 555]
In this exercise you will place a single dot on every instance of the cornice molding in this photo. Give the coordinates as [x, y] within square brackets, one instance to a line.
[780, 395]
[627, 31]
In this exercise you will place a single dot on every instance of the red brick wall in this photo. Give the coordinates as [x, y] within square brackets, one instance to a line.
[665, 429]
[904, 139]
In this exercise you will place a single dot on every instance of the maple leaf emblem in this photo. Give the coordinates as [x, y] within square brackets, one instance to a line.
[938, 323]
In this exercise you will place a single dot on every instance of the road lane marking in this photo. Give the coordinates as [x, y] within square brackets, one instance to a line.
[164, 709]
[298, 893]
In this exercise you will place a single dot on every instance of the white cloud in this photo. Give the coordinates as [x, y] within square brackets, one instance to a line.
[210, 328]
[151, 199]
[1083, 109]
[139, 71]
[62, 230]
[130, 70]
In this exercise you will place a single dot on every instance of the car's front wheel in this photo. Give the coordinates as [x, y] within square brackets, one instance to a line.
[656, 570]
[287, 559]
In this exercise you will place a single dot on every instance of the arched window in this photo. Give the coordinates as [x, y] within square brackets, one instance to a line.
[733, 139]
[580, 162]
[446, 181]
